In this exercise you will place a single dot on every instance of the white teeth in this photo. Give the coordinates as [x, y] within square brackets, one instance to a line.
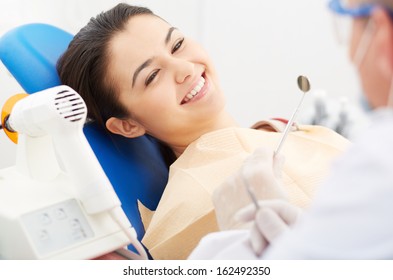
[196, 89]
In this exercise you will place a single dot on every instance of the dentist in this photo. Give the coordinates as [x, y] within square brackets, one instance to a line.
[350, 217]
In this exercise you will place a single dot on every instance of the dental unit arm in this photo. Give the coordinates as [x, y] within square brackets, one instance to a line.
[57, 202]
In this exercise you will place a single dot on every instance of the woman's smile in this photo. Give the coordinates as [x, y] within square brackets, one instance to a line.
[198, 91]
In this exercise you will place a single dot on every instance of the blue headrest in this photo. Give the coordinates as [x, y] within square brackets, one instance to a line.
[135, 167]
[30, 53]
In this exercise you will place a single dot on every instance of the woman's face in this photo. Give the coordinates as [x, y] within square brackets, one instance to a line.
[165, 80]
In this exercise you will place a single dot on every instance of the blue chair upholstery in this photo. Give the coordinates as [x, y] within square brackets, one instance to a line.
[135, 167]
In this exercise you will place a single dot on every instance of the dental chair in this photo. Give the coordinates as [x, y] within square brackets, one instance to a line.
[135, 167]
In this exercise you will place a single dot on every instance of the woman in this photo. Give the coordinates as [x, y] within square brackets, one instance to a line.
[137, 75]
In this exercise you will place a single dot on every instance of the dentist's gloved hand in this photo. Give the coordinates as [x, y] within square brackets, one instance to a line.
[261, 171]
[273, 218]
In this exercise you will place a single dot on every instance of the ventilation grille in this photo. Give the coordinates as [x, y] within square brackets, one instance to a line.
[70, 106]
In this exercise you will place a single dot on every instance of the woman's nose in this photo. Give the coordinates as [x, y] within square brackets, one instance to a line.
[183, 70]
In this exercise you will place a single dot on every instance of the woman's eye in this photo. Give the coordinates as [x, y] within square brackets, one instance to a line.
[151, 77]
[177, 45]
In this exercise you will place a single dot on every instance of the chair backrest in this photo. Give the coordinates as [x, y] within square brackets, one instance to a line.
[135, 167]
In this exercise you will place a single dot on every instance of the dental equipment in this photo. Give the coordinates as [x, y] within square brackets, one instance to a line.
[320, 105]
[56, 202]
[343, 118]
[251, 193]
[304, 85]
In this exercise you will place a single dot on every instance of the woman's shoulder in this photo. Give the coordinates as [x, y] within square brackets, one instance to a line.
[310, 132]
[225, 143]
[273, 125]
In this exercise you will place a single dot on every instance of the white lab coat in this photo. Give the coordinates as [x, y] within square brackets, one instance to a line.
[350, 217]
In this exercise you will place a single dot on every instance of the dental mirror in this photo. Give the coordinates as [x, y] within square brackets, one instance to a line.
[304, 85]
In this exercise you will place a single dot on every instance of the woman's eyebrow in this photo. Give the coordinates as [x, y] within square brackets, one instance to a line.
[148, 62]
[169, 34]
[140, 68]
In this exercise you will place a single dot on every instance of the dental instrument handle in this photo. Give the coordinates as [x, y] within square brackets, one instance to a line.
[251, 193]
[304, 85]
[288, 127]
[253, 197]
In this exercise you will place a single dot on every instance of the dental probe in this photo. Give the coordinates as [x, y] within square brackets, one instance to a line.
[304, 85]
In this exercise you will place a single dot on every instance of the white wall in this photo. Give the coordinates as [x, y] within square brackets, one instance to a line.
[258, 46]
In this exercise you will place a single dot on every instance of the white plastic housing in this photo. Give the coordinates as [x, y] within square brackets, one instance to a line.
[61, 113]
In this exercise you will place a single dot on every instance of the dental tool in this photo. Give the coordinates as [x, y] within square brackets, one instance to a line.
[304, 85]
[251, 193]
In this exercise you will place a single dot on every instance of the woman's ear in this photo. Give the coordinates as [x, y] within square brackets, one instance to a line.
[384, 41]
[127, 128]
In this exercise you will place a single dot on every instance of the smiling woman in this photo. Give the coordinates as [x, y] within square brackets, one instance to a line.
[140, 75]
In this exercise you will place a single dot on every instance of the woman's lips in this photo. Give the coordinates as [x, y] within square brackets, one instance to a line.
[198, 91]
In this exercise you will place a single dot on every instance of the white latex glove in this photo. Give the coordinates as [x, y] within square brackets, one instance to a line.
[261, 172]
[273, 218]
